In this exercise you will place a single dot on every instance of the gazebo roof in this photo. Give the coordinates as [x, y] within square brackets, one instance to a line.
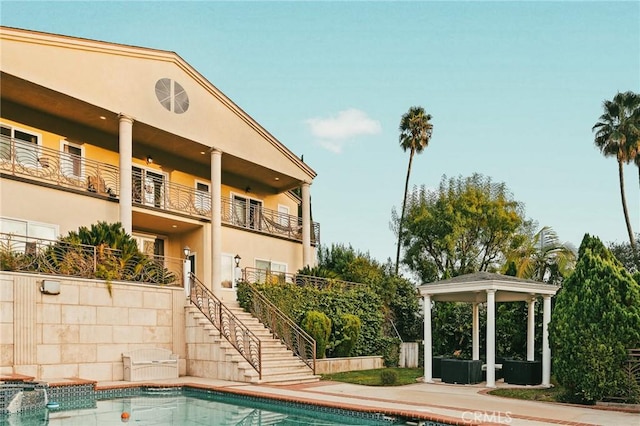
[473, 288]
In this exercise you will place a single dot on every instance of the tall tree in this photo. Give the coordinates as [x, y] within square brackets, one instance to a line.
[542, 257]
[616, 135]
[595, 320]
[466, 225]
[415, 134]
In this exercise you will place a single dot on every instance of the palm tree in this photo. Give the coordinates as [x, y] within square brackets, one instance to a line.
[415, 133]
[617, 133]
[543, 257]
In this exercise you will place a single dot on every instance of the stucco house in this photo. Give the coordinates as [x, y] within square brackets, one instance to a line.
[95, 131]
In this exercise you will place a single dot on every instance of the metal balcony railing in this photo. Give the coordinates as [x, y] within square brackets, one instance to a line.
[229, 326]
[21, 253]
[149, 189]
[25, 159]
[257, 218]
[255, 275]
[152, 190]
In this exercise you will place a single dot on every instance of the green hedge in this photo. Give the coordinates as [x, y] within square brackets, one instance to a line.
[295, 301]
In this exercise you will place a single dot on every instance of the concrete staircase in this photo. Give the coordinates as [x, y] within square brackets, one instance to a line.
[212, 356]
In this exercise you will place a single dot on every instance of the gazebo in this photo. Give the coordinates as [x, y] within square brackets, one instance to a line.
[490, 288]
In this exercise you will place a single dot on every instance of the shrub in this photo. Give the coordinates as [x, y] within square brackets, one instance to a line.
[318, 325]
[388, 377]
[295, 301]
[345, 334]
[390, 351]
[596, 319]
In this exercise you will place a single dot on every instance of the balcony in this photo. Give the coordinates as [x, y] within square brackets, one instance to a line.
[46, 166]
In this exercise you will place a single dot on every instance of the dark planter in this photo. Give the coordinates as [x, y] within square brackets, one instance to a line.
[461, 371]
[436, 366]
[517, 372]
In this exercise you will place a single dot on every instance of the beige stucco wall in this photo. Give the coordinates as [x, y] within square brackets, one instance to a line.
[68, 210]
[82, 332]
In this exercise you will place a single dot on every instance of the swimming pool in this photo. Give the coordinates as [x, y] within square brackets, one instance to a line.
[190, 406]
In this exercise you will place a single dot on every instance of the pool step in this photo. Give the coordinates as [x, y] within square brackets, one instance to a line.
[212, 356]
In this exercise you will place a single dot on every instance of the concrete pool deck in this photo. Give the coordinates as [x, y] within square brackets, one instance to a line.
[446, 403]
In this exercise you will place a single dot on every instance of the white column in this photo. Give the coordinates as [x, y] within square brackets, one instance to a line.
[428, 351]
[475, 332]
[546, 350]
[216, 221]
[125, 148]
[491, 339]
[307, 259]
[531, 329]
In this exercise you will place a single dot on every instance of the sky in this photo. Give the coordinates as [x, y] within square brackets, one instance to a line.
[514, 89]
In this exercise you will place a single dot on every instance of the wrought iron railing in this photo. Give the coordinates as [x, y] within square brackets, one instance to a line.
[282, 327]
[257, 218]
[21, 253]
[229, 326]
[149, 189]
[256, 275]
[633, 370]
[22, 158]
[153, 190]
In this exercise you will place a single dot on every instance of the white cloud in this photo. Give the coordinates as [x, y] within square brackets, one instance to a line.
[333, 132]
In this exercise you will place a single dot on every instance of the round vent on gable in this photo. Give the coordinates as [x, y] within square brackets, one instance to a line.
[172, 95]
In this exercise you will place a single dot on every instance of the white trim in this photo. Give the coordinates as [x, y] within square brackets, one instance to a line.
[38, 144]
[284, 217]
[64, 160]
[53, 226]
[165, 181]
[272, 262]
[197, 200]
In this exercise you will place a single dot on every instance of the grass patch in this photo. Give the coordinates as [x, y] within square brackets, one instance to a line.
[553, 394]
[404, 376]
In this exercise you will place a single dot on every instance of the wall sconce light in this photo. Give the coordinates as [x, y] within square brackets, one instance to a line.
[149, 159]
[237, 258]
[187, 251]
[247, 189]
[50, 287]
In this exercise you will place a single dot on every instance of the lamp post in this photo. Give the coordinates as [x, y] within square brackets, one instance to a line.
[186, 270]
[237, 272]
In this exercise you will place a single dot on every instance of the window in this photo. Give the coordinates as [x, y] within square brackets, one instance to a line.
[31, 230]
[227, 271]
[71, 159]
[149, 244]
[25, 145]
[283, 215]
[5, 140]
[202, 198]
[148, 187]
[273, 272]
[246, 212]
[152, 246]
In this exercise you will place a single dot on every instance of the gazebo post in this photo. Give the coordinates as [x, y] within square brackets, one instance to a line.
[546, 350]
[475, 338]
[428, 351]
[491, 338]
[531, 329]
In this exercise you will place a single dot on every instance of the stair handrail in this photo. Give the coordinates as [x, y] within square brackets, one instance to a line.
[283, 328]
[229, 326]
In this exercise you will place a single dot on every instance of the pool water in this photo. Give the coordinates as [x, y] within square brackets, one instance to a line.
[196, 407]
